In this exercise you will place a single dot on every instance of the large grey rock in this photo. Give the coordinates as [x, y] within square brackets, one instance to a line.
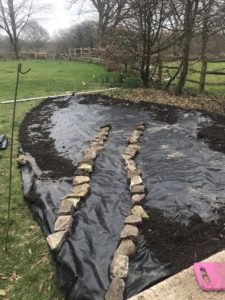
[133, 220]
[81, 190]
[56, 240]
[116, 290]
[126, 247]
[119, 266]
[77, 180]
[129, 232]
[63, 223]
[138, 189]
[137, 198]
[136, 180]
[138, 211]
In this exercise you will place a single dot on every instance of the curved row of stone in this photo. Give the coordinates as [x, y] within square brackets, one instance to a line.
[81, 187]
[120, 263]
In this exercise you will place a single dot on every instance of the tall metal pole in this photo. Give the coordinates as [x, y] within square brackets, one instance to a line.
[19, 71]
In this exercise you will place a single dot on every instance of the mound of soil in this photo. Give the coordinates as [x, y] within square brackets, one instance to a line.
[181, 245]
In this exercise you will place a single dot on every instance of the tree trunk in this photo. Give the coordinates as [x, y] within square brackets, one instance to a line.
[205, 38]
[190, 11]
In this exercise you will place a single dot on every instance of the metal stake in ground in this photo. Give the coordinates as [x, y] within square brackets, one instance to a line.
[19, 71]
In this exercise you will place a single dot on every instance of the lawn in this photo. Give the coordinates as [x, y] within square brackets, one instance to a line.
[209, 89]
[27, 270]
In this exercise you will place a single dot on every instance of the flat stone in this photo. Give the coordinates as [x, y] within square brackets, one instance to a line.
[81, 190]
[137, 198]
[63, 223]
[132, 173]
[119, 266]
[135, 137]
[141, 127]
[66, 208]
[56, 240]
[116, 290]
[90, 155]
[126, 247]
[133, 220]
[85, 167]
[98, 141]
[136, 180]
[77, 180]
[138, 189]
[73, 201]
[129, 231]
[125, 159]
[132, 150]
[139, 212]
[82, 172]
[68, 196]
[22, 160]
[106, 128]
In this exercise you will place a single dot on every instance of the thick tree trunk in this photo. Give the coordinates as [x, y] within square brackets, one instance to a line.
[186, 47]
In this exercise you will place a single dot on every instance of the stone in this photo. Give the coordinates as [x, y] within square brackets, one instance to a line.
[81, 190]
[90, 155]
[22, 160]
[136, 180]
[77, 180]
[126, 247]
[132, 173]
[135, 137]
[119, 266]
[133, 220]
[97, 147]
[73, 201]
[68, 196]
[63, 223]
[139, 212]
[82, 172]
[132, 150]
[85, 167]
[97, 141]
[129, 232]
[138, 189]
[141, 127]
[125, 159]
[66, 208]
[56, 240]
[116, 290]
[106, 128]
[137, 198]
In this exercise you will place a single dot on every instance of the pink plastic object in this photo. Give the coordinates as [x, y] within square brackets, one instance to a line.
[210, 276]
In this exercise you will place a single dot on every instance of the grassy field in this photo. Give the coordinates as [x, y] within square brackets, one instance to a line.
[209, 89]
[27, 271]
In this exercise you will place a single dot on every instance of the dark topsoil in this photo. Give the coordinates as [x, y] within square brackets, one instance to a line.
[171, 242]
[181, 245]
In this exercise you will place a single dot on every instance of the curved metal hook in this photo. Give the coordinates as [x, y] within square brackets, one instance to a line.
[20, 66]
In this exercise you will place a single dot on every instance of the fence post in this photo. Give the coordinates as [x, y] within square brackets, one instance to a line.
[203, 76]
[160, 70]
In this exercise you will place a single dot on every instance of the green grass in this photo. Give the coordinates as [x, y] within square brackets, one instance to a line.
[27, 271]
[209, 90]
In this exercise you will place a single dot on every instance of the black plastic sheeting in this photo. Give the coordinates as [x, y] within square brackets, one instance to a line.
[3, 142]
[181, 174]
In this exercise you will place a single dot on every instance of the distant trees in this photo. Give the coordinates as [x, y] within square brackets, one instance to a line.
[14, 16]
[35, 36]
[110, 14]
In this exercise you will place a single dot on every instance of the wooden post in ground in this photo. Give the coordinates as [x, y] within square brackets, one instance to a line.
[160, 70]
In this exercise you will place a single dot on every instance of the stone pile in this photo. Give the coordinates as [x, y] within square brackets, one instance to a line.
[81, 188]
[129, 235]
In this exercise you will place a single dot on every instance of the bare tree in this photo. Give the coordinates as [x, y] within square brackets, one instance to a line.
[110, 14]
[14, 16]
[35, 35]
[188, 9]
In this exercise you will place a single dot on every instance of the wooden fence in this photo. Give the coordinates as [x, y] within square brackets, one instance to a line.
[24, 55]
[89, 54]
